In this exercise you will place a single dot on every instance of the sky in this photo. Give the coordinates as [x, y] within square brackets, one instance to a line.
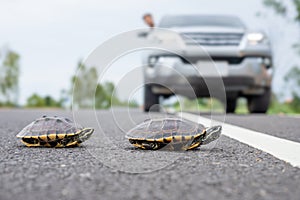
[52, 36]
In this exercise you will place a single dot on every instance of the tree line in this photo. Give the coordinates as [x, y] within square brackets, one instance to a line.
[88, 94]
[9, 77]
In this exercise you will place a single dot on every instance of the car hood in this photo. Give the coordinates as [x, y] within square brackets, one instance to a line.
[208, 29]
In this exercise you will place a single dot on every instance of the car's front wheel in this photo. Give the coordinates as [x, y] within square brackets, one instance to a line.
[259, 104]
[151, 100]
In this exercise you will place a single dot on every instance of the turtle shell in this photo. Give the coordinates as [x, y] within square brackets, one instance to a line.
[50, 131]
[157, 133]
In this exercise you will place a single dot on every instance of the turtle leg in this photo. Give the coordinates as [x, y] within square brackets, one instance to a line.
[193, 146]
[72, 144]
[31, 141]
[143, 144]
[68, 141]
[151, 145]
[139, 146]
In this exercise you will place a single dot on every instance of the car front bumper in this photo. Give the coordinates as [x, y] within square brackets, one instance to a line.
[248, 76]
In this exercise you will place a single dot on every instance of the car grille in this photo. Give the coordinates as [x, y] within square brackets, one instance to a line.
[212, 39]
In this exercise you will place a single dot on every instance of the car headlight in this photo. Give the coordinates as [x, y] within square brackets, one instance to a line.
[255, 38]
[152, 61]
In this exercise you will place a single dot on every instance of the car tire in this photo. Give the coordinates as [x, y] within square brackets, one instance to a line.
[231, 105]
[151, 100]
[259, 104]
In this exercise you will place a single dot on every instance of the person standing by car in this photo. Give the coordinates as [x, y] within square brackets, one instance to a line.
[148, 19]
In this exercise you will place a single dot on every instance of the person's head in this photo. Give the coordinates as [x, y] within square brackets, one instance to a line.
[148, 19]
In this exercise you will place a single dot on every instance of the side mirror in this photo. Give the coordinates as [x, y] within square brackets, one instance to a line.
[143, 34]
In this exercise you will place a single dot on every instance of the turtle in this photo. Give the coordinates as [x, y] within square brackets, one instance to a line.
[172, 134]
[54, 132]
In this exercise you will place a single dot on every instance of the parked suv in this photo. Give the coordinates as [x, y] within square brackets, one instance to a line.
[243, 59]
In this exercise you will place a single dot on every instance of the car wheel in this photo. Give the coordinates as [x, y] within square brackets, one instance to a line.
[151, 100]
[231, 105]
[259, 104]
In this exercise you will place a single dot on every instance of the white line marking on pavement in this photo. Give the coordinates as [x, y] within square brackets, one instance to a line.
[283, 149]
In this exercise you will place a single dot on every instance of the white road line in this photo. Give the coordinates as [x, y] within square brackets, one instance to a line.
[282, 149]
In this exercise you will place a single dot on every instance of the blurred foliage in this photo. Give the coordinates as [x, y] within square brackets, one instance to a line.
[37, 101]
[86, 95]
[297, 48]
[277, 107]
[9, 77]
[281, 7]
[292, 78]
[84, 82]
[277, 5]
[7, 104]
[297, 6]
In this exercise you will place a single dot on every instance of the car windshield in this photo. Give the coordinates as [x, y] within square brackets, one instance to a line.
[200, 20]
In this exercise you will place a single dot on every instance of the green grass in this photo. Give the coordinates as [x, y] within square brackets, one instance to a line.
[281, 108]
[213, 105]
[242, 106]
[202, 105]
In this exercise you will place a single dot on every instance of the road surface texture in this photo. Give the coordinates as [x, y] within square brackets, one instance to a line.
[107, 167]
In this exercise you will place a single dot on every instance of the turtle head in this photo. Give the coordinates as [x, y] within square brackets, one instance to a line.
[212, 134]
[85, 134]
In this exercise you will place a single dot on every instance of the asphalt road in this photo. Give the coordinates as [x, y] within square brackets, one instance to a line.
[107, 167]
